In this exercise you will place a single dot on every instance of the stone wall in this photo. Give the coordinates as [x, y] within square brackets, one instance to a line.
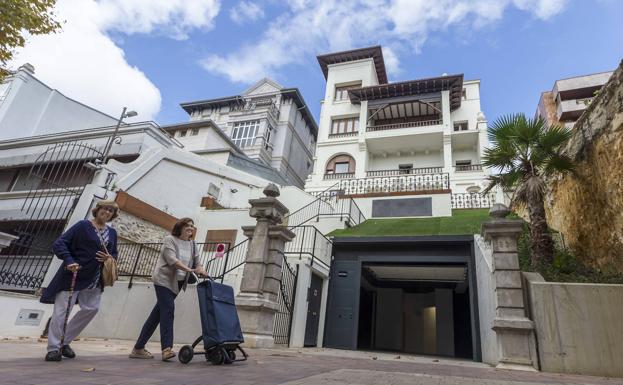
[134, 229]
[587, 208]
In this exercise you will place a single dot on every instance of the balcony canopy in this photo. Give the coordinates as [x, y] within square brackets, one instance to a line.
[452, 83]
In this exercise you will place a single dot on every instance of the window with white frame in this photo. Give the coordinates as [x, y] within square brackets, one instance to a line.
[244, 133]
[345, 126]
[194, 132]
[183, 133]
[341, 92]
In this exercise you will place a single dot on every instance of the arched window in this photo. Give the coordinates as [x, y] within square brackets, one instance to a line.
[341, 164]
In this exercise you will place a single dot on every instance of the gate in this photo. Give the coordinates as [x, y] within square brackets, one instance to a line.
[52, 187]
[285, 300]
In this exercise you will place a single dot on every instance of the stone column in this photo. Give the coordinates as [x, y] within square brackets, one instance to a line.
[259, 289]
[515, 332]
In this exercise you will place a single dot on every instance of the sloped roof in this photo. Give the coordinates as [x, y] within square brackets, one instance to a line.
[375, 53]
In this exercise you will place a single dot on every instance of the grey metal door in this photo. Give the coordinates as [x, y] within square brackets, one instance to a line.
[313, 311]
[342, 309]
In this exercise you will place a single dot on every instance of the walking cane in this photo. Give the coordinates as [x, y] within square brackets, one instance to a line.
[71, 294]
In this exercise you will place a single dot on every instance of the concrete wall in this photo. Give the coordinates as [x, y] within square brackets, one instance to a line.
[578, 326]
[11, 305]
[486, 300]
[444, 318]
[420, 323]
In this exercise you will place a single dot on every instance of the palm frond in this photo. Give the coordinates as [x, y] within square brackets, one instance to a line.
[558, 163]
[553, 138]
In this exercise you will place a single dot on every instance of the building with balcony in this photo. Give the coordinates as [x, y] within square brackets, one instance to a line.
[570, 97]
[269, 123]
[415, 137]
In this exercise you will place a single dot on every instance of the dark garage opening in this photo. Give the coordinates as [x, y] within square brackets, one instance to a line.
[415, 308]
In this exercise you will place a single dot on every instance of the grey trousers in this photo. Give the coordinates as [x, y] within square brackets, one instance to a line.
[89, 302]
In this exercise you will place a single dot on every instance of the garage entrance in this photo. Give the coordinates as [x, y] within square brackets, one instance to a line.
[404, 294]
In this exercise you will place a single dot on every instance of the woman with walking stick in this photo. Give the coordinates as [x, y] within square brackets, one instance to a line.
[84, 248]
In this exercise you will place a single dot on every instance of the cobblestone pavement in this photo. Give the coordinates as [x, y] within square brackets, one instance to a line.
[106, 362]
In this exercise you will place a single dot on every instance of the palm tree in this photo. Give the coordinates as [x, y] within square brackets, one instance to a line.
[527, 151]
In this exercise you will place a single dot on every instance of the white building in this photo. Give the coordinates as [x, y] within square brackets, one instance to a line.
[569, 97]
[423, 136]
[28, 107]
[270, 123]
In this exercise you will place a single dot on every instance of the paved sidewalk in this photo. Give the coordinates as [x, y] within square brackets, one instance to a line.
[106, 362]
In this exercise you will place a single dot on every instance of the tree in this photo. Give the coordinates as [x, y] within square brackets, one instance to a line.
[527, 151]
[19, 17]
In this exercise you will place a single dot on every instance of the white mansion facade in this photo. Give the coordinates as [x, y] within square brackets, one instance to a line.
[412, 137]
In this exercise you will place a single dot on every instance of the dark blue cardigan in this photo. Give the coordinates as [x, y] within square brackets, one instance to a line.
[78, 245]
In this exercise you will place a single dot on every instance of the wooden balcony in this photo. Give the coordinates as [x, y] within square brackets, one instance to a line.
[399, 172]
[395, 126]
[343, 135]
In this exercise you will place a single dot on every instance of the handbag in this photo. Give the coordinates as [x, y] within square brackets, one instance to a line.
[109, 269]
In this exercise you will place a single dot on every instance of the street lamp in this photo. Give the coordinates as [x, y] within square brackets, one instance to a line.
[110, 141]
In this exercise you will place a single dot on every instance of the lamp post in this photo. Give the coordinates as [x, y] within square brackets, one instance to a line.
[110, 141]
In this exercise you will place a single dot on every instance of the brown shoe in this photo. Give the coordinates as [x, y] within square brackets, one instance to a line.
[167, 354]
[141, 353]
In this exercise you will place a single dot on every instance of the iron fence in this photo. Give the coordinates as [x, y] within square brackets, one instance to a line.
[309, 241]
[472, 200]
[51, 189]
[390, 184]
[282, 326]
[138, 260]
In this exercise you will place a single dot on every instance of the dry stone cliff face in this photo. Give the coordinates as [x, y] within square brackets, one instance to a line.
[587, 208]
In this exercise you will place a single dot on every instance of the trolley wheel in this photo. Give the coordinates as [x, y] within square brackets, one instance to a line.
[232, 355]
[215, 357]
[186, 354]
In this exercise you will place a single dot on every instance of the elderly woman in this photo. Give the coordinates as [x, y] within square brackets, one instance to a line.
[178, 258]
[83, 249]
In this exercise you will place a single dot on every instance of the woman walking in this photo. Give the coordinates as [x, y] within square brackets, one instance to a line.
[83, 248]
[178, 258]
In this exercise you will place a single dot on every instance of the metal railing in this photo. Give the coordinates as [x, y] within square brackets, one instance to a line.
[137, 260]
[471, 200]
[309, 241]
[468, 167]
[409, 171]
[394, 126]
[391, 184]
[282, 327]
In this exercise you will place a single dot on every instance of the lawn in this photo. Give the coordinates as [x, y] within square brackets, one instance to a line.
[461, 222]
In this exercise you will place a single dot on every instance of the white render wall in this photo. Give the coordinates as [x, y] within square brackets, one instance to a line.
[468, 147]
[32, 108]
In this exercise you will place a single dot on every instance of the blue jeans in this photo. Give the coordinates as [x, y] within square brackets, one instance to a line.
[163, 314]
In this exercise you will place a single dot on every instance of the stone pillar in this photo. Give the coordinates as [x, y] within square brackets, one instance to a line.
[259, 289]
[515, 332]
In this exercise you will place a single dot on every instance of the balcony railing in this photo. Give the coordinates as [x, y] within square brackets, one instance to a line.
[468, 167]
[343, 134]
[252, 105]
[340, 175]
[411, 171]
[394, 126]
[472, 200]
[391, 184]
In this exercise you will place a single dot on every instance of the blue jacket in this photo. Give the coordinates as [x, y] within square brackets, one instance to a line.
[78, 245]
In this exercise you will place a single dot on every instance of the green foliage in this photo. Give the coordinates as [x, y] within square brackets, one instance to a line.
[21, 17]
[565, 267]
[461, 222]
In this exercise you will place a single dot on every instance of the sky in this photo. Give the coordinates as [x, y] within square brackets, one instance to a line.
[152, 55]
